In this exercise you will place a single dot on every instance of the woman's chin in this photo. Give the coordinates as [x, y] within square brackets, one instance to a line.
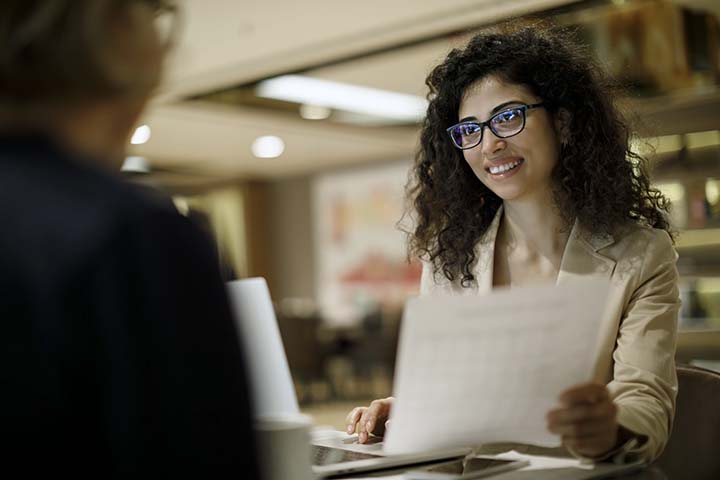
[507, 192]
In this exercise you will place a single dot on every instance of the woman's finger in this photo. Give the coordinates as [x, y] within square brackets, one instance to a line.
[591, 445]
[583, 430]
[366, 424]
[584, 393]
[373, 419]
[352, 419]
[581, 413]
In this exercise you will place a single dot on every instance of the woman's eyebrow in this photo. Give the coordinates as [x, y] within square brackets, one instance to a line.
[496, 109]
[503, 105]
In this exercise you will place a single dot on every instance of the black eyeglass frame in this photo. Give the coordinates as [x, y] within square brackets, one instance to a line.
[488, 123]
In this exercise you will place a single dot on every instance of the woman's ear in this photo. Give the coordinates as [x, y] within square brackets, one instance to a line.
[562, 125]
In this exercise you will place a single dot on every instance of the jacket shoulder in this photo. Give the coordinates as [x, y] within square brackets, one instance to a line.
[639, 240]
[61, 211]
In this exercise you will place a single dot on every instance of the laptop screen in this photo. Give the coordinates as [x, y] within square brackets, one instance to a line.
[269, 376]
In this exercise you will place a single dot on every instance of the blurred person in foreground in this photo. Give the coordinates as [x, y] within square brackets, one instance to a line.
[119, 353]
[525, 177]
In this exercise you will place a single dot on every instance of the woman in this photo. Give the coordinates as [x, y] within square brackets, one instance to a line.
[120, 358]
[525, 177]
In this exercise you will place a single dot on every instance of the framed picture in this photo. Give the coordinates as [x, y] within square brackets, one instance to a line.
[360, 251]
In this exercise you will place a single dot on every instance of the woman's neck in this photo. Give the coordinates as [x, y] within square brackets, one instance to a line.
[534, 226]
[96, 131]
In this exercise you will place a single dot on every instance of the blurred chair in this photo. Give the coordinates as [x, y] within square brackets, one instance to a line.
[305, 354]
[693, 450]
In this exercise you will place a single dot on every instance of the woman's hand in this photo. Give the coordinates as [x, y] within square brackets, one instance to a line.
[371, 419]
[587, 420]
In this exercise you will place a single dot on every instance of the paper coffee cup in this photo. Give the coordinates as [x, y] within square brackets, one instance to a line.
[283, 442]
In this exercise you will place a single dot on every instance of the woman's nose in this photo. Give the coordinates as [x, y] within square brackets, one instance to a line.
[491, 144]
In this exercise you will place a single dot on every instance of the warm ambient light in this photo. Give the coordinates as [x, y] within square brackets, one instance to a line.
[712, 191]
[343, 96]
[141, 135]
[268, 146]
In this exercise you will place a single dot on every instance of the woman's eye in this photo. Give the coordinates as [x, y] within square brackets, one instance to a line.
[507, 116]
[470, 129]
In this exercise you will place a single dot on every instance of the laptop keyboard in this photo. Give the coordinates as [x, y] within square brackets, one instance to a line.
[327, 455]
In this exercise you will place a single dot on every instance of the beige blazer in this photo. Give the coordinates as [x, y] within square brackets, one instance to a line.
[638, 331]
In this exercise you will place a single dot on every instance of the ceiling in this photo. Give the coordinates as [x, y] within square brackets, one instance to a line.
[372, 43]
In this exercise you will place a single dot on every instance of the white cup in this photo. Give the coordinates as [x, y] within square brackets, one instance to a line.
[283, 442]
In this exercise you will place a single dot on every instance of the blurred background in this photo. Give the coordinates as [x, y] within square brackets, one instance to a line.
[286, 129]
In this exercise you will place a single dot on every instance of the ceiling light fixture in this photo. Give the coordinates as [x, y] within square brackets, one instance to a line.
[141, 135]
[135, 165]
[343, 96]
[268, 146]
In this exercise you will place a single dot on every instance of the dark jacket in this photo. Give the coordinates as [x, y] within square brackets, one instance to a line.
[119, 352]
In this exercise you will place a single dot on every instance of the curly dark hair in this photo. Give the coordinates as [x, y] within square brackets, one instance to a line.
[598, 180]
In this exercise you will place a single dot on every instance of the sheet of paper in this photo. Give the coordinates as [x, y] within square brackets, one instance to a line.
[484, 369]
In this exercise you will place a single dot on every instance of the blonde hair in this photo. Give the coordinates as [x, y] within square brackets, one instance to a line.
[60, 51]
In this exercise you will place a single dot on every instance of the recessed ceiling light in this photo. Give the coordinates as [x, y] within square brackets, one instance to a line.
[314, 112]
[135, 165]
[141, 135]
[268, 146]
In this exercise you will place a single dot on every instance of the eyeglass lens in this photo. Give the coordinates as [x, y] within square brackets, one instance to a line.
[504, 124]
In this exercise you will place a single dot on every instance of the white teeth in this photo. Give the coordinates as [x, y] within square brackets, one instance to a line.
[504, 168]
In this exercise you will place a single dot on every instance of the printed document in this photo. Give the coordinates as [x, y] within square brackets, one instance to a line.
[486, 369]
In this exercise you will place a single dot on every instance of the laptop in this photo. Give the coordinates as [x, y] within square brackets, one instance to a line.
[273, 392]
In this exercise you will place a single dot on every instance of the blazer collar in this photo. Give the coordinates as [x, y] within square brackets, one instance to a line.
[580, 258]
[485, 253]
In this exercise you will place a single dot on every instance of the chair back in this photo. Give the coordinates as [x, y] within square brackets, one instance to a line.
[693, 450]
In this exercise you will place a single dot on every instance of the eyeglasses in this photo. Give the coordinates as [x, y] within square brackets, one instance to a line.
[504, 124]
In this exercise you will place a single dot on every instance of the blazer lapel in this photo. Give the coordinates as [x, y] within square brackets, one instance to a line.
[485, 253]
[581, 257]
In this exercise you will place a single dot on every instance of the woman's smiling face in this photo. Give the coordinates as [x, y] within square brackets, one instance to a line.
[520, 166]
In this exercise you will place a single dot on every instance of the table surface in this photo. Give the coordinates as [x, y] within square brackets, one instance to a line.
[650, 473]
